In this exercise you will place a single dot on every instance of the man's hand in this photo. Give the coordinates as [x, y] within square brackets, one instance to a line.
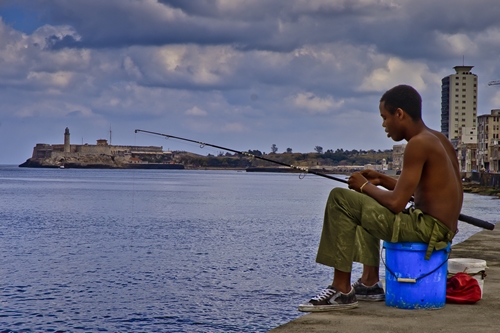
[372, 176]
[356, 181]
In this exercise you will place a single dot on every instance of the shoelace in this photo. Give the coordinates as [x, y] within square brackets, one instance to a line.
[326, 293]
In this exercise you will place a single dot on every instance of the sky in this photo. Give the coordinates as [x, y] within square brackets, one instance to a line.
[242, 74]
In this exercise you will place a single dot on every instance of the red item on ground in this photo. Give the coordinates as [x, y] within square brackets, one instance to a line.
[462, 288]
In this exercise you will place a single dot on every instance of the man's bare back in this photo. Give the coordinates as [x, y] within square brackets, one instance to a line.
[439, 192]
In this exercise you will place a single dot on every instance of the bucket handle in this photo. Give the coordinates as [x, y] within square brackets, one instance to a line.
[410, 280]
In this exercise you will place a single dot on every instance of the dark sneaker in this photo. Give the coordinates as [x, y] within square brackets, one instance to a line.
[365, 293]
[330, 299]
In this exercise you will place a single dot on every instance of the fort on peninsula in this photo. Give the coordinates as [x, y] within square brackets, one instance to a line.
[101, 155]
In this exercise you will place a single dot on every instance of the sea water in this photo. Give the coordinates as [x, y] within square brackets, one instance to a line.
[163, 250]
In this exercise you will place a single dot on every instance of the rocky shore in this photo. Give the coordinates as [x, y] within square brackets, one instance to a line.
[88, 161]
[473, 187]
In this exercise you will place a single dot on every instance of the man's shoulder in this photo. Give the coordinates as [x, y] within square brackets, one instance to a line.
[423, 138]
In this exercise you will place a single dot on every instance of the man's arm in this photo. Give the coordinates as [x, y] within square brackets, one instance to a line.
[397, 198]
[379, 179]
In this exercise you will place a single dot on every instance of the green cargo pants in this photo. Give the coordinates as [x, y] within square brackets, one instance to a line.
[355, 223]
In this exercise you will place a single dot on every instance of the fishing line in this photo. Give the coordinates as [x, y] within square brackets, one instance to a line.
[464, 218]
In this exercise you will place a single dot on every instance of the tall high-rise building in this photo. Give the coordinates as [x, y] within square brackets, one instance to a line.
[458, 102]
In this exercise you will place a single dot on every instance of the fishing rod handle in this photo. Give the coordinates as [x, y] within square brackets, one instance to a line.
[476, 222]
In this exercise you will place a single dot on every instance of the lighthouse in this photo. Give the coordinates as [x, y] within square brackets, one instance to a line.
[67, 147]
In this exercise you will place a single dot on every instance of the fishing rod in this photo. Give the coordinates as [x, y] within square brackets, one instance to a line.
[464, 218]
[202, 144]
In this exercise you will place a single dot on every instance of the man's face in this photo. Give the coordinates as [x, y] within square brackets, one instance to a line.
[390, 123]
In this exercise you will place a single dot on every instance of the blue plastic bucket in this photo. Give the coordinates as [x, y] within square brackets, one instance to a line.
[411, 281]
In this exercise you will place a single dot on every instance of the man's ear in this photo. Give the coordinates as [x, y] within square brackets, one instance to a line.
[400, 113]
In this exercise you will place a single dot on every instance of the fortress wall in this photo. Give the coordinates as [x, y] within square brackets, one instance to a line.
[42, 150]
[91, 149]
[155, 149]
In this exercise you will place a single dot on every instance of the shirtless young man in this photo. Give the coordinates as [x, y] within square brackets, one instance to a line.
[355, 221]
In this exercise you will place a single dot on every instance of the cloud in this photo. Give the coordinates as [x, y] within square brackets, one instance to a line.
[395, 72]
[58, 80]
[233, 127]
[53, 109]
[457, 44]
[313, 103]
[196, 111]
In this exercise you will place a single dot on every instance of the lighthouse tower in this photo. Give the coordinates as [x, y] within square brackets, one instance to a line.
[67, 147]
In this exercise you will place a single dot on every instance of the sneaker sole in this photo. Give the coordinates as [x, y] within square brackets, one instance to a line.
[370, 298]
[325, 308]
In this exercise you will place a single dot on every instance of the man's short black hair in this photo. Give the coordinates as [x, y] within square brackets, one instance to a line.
[403, 97]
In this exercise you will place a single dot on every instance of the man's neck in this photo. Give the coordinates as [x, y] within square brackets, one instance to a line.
[415, 128]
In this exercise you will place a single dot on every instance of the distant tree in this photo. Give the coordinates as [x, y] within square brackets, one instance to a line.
[289, 150]
[255, 152]
[274, 148]
[319, 149]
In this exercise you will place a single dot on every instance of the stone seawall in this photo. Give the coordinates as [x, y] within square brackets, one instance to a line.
[484, 178]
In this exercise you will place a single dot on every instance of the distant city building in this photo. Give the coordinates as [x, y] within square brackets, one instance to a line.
[488, 141]
[458, 102]
[467, 149]
[397, 156]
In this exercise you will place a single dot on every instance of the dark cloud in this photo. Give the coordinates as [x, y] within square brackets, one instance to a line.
[405, 28]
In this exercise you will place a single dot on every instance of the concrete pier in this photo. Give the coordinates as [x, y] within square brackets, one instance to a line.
[374, 317]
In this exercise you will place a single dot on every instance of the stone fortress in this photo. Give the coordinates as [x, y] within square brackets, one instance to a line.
[100, 155]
